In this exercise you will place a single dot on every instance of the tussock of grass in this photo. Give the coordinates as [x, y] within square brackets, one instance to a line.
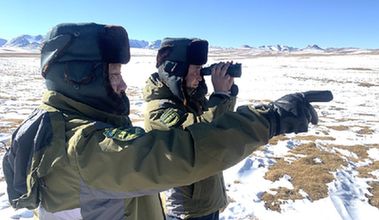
[339, 127]
[274, 140]
[12, 124]
[365, 84]
[305, 173]
[373, 145]
[273, 202]
[365, 171]
[313, 138]
[359, 150]
[374, 190]
[365, 130]
[12, 120]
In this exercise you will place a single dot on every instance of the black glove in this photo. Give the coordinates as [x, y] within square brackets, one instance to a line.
[293, 112]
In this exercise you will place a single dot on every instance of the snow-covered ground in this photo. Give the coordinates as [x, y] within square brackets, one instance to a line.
[331, 172]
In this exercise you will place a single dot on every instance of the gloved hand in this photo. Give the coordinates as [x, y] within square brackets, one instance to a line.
[293, 112]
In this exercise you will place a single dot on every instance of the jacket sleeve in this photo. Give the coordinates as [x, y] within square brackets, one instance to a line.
[217, 105]
[164, 114]
[159, 160]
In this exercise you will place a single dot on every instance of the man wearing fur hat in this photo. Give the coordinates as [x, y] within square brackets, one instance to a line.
[176, 98]
[78, 156]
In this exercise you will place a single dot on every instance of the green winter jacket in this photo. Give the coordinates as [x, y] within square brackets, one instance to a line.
[99, 164]
[164, 111]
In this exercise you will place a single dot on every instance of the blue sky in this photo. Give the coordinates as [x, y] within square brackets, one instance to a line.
[328, 23]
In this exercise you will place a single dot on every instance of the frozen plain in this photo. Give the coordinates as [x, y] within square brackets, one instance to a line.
[348, 132]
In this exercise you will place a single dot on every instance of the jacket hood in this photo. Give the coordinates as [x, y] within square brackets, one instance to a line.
[174, 57]
[74, 62]
[156, 89]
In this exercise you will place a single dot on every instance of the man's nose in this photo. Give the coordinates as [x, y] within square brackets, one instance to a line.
[122, 86]
[199, 78]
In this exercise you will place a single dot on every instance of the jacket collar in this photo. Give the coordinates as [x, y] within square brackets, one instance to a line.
[70, 106]
[155, 89]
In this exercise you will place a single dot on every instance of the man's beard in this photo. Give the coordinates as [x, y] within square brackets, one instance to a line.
[120, 102]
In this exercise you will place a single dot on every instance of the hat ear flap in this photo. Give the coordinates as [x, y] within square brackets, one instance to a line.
[162, 55]
[51, 50]
[197, 53]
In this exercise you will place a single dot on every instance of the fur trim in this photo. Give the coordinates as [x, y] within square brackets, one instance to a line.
[183, 50]
[114, 44]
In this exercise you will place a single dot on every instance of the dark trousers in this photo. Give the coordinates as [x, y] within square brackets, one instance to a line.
[213, 216]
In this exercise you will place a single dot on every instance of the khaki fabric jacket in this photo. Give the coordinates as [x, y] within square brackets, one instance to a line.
[98, 162]
[208, 195]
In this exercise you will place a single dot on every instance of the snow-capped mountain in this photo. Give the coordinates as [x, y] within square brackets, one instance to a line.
[138, 43]
[2, 42]
[25, 41]
[245, 46]
[144, 44]
[313, 47]
[277, 48]
[32, 43]
[155, 44]
[271, 48]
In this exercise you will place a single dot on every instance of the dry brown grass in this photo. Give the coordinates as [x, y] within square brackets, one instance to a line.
[359, 150]
[305, 173]
[339, 127]
[274, 140]
[365, 130]
[13, 123]
[365, 171]
[313, 138]
[4, 129]
[366, 84]
[12, 120]
[373, 145]
[273, 202]
[374, 190]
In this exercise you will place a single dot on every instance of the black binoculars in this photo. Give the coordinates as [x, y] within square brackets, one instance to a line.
[234, 70]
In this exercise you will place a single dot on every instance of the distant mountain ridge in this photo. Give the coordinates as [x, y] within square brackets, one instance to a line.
[34, 42]
[2, 41]
[29, 42]
[25, 41]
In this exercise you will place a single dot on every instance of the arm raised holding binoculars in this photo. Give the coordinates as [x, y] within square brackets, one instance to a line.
[222, 82]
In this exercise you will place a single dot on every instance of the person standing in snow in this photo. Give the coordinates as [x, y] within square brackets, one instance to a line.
[176, 98]
[78, 156]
